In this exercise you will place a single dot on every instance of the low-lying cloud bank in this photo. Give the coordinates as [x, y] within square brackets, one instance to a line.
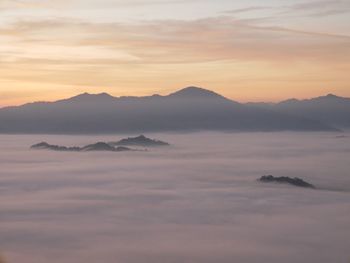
[196, 201]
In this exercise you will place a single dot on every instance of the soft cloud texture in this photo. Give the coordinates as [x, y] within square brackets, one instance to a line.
[143, 47]
[222, 51]
[322, 8]
[196, 201]
[211, 39]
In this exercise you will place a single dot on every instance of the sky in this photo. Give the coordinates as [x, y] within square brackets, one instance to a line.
[245, 50]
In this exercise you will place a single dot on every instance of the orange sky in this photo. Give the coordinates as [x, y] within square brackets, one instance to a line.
[242, 50]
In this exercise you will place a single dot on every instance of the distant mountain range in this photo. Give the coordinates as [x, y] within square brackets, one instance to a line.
[330, 109]
[190, 109]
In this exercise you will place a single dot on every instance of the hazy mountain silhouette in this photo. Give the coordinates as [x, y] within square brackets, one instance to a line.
[99, 146]
[285, 180]
[46, 146]
[140, 141]
[330, 109]
[189, 109]
[195, 93]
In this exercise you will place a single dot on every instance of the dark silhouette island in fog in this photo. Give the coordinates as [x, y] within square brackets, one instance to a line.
[99, 146]
[119, 146]
[140, 141]
[285, 180]
[190, 109]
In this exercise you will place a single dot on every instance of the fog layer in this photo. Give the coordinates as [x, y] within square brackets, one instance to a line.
[195, 201]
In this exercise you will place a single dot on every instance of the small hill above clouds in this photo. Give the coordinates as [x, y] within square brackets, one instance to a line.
[189, 109]
[285, 180]
[46, 146]
[141, 140]
[99, 146]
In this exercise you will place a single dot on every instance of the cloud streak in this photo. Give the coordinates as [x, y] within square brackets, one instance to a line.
[220, 38]
[320, 8]
[145, 54]
[247, 9]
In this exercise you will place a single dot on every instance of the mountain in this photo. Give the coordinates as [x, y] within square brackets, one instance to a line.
[190, 109]
[285, 180]
[141, 140]
[46, 146]
[195, 93]
[90, 98]
[99, 146]
[330, 109]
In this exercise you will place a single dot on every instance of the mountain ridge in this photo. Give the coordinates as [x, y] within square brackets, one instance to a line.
[188, 109]
[330, 108]
[198, 90]
[190, 91]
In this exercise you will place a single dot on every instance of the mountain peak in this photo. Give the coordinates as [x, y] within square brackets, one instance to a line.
[86, 94]
[90, 97]
[329, 97]
[332, 96]
[325, 98]
[289, 101]
[194, 92]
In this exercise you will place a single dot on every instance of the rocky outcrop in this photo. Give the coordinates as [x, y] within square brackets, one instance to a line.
[46, 146]
[100, 146]
[141, 140]
[285, 180]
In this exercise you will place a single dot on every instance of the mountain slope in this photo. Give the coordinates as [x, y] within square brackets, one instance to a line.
[189, 109]
[330, 109]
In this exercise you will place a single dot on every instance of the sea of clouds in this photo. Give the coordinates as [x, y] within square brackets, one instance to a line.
[195, 201]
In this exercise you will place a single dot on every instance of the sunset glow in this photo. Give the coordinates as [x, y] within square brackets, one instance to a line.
[244, 50]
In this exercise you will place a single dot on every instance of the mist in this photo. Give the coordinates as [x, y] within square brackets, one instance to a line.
[196, 201]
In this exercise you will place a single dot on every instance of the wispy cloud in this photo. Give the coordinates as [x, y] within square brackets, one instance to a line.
[58, 52]
[247, 9]
[320, 8]
[43, 46]
[321, 4]
[33, 4]
[172, 41]
[88, 4]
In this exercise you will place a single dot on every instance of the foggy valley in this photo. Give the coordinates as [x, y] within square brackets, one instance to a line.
[197, 200]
